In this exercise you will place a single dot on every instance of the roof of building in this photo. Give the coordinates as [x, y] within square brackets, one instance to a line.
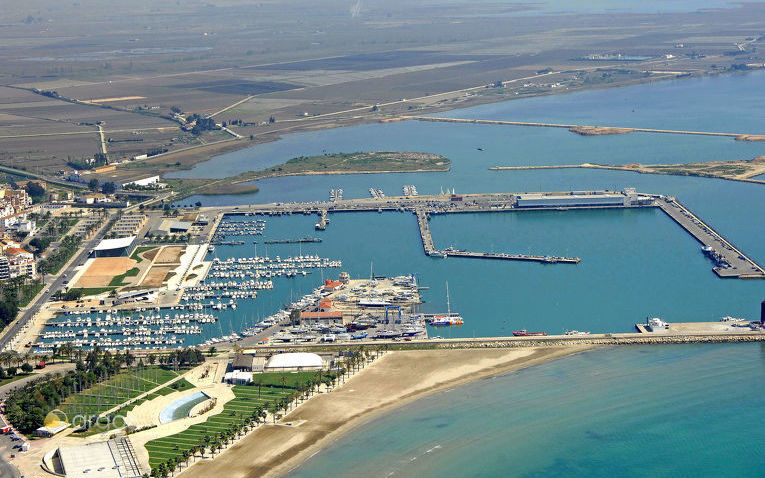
[331, 284]
[322, 314]
[238, 375]
[98, 460]
[243, 361]
[180, 225]
[53, 430]
[12, 251]
[295, 360]
[109, 244]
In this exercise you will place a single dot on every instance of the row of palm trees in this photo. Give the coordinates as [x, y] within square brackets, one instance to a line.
[215, 443]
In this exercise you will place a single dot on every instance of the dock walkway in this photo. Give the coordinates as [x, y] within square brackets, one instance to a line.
[731, 262]
[734, 263]
[430, 248]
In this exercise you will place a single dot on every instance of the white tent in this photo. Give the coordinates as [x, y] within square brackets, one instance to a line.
[294, 361]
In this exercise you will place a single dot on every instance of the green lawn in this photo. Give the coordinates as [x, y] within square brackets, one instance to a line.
[8, 380]
[291, 380]
[247, 398]
[28, 292]
[88, 291]
[117, 280]
[139, 250]
[117, 390]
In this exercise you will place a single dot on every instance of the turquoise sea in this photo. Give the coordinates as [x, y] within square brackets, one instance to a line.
[634, 263]
[690, 411]
[640, 411]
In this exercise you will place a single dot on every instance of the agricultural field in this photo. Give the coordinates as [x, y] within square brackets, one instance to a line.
[62, 79]
[248, 400]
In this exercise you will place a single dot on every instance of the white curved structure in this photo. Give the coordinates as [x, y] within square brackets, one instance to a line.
[294, 361]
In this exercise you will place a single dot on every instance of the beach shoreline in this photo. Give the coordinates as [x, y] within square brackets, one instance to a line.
[391, 382]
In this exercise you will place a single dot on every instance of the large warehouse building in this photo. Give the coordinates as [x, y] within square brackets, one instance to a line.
[110, 459]
[628, 197]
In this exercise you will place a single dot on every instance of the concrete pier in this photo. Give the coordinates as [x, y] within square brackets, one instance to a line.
[573, 126]
[730, 262]
[430, 248]
[322, 224]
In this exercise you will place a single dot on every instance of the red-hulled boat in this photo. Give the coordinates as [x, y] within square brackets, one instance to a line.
[526, 333]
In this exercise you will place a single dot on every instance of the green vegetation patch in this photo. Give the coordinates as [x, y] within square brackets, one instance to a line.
[140, 250]
[117, 280]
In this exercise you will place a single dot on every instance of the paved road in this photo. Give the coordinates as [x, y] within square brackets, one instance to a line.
[59, 367]
[6, 449]
[56, 284]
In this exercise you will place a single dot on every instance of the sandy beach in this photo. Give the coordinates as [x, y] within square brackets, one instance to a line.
[392, 381]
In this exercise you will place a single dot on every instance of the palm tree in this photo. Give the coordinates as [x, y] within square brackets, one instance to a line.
[6, 357]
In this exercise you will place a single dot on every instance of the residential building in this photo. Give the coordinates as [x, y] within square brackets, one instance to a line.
[5, 268]
[21, 262]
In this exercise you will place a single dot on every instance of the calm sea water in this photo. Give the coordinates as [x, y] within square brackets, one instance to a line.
[634, 263]
[723, 104]
[602, 413]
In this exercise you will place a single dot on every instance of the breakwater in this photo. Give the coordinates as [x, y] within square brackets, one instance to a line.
[588, 130]
[548, 341]
[730, 262]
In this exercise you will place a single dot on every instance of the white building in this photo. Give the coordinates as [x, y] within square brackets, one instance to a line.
[293, 362]
[628, 197]
[150, 181]
[238, 377]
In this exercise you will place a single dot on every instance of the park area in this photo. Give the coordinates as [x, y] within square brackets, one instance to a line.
[119, 389]
[248, 402]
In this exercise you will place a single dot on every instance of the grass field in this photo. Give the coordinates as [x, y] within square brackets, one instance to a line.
[117, 280]
[139, 250]
[246, 401]
[119, 389]
[8, 380]
[88, 291]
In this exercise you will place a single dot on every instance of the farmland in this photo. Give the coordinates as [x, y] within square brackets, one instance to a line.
[148, 61]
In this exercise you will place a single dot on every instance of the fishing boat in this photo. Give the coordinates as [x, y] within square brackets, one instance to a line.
[526, 333]
[576, 332]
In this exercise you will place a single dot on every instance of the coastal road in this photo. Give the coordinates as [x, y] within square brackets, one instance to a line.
[56, 284]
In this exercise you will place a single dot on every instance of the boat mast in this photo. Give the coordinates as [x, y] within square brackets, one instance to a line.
[448, 305]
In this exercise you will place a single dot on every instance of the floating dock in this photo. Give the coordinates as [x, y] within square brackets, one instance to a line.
[292, 241]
